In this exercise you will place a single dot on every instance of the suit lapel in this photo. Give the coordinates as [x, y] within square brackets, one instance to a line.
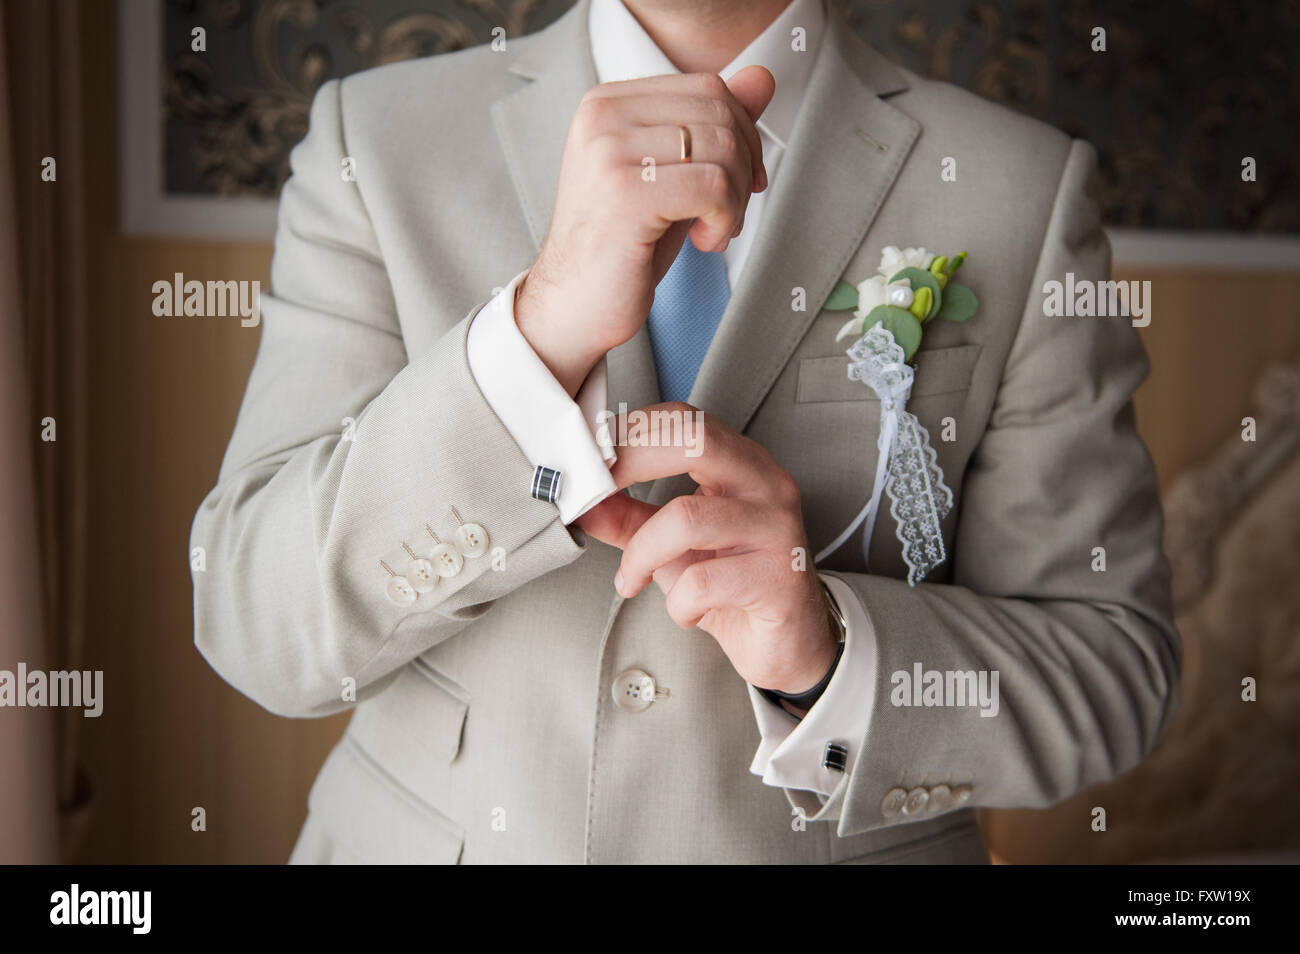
[532, 122]
[844, 154]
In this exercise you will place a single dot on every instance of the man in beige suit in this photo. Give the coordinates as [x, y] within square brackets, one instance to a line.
[417, 515]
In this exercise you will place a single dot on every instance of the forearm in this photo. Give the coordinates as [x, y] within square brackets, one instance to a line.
[1056, 695]
[292, 598]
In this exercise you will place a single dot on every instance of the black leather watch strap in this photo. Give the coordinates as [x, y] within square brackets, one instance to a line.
[805, 700]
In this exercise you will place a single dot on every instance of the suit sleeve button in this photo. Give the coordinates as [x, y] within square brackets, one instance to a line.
[940, 799]
[446, 560]
[915, 802]
[400, 591]
[893, 802]
[472, 539]
[421, 576]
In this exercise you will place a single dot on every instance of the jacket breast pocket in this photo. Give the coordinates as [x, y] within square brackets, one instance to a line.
[836, 422]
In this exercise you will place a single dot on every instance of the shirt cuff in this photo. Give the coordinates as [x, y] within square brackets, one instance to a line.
[553, 430]
[791, 751]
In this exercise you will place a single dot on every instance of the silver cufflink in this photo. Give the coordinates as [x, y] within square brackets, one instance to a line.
[546, 484]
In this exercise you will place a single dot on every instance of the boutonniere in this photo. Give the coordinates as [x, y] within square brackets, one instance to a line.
[891, 310]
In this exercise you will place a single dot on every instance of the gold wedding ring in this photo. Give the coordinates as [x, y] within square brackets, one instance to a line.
[686, 143]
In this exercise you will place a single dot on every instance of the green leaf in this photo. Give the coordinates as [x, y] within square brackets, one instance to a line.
[843, 297]
[919, 278]
[959, 303]
[900, 323]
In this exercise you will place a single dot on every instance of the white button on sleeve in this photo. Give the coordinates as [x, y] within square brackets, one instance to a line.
[422, 576]
[893, 802]
[472, 540]
[790, 751]
[940, 799]
[400, 591]
[916, 801]
[551, 429]
[446, 560]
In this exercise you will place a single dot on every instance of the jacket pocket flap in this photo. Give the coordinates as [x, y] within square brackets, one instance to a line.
[375, 818]
[422, 711]
[940, 371]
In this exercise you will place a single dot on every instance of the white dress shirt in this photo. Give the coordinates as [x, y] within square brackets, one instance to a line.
[565, 435]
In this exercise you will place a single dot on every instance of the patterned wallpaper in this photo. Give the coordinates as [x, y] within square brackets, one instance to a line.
[1185, 90]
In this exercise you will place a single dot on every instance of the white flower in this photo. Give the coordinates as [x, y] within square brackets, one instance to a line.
[871, 293]
[894, 260]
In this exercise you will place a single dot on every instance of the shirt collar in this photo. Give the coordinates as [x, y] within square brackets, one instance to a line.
[622, 50]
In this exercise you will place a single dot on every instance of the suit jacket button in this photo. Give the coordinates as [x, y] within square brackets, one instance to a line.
[635, 690]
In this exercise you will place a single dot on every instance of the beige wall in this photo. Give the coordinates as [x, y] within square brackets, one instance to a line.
[1211, 335]
[173, 735]
[164, 397]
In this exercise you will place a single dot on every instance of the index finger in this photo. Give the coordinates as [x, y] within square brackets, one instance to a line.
[665, 440]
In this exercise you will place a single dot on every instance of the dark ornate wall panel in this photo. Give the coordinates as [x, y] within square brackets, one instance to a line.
[1185, 90]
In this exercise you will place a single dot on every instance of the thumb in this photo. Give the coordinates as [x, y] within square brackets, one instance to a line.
[754, 87]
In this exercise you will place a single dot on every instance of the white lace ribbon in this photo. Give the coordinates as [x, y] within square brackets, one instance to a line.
[905, 461]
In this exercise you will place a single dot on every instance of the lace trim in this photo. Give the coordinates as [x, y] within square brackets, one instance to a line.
[877, 360]
[907, 465]
[919, 498]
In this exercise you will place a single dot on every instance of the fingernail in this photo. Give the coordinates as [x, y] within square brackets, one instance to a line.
[618, 581]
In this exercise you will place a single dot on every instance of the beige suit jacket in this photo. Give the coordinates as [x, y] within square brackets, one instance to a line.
[485, 729]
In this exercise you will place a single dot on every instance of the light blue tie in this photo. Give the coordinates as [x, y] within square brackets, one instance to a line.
[688, 305]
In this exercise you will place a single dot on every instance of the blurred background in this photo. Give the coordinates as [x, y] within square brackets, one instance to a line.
[168, 159]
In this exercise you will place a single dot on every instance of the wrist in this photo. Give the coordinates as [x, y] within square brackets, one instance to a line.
[821, 660]
[558, 348]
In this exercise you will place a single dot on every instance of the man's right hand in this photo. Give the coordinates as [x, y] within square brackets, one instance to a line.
[613, 234]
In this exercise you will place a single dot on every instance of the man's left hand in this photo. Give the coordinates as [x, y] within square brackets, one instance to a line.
[726, 556]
